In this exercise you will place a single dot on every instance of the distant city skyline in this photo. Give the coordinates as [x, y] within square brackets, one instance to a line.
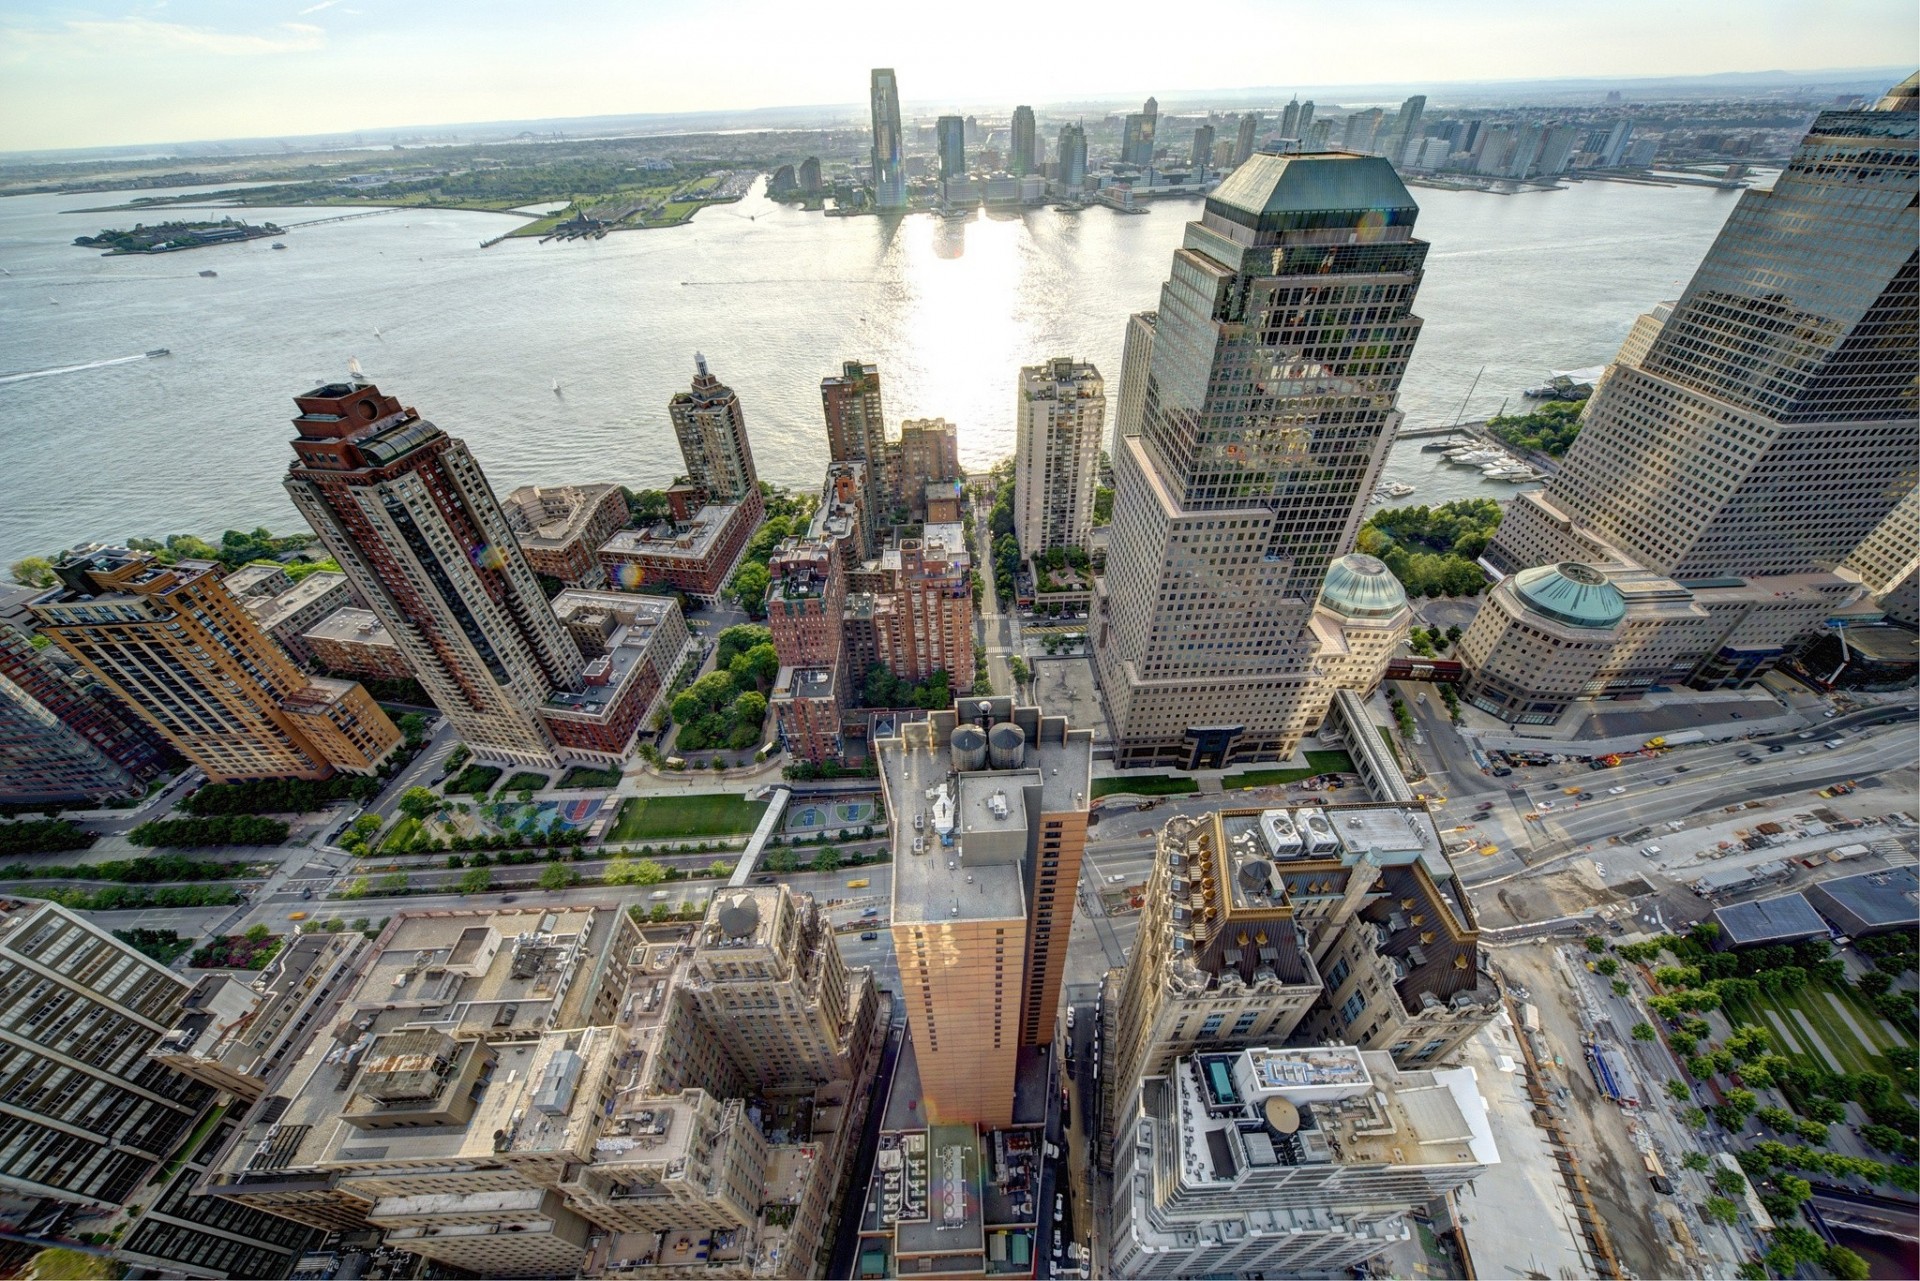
[211, 69]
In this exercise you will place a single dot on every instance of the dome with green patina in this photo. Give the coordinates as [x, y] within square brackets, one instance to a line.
[1572, 593]
[1361, 586]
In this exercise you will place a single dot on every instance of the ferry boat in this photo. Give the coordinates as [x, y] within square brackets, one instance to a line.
[159, 351]
[278, 245]
[209, 273]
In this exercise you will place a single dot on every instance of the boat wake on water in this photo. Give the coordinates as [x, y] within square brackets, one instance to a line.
[73, 369]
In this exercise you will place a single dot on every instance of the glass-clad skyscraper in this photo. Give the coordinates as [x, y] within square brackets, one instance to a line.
[1268, 408]
[889, 175]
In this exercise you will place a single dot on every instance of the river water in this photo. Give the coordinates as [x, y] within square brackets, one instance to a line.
[94, 446]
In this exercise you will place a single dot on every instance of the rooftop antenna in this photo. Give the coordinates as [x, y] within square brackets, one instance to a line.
[700, 364]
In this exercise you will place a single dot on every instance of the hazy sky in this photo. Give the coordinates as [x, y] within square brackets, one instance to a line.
[168, 70]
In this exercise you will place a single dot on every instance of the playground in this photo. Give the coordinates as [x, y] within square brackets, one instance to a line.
[824, 816]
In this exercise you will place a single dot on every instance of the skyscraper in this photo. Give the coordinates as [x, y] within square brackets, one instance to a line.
[951, 132]
[1778, 365]
[175, 647]
[1267, 413]
[409, 516]
[857, 428]
[1136, 147]
[988, 809]
[1059, 419]
[889, 177]
[1407, 130]
[1202, 155]
[1362, 128]
[1022, 160]
[1306, 117]
[1744, 444]
[712, 429]
[1290, 120]
[1073, 157]
[1245, 142]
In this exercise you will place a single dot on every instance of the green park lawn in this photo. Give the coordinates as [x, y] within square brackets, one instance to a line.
[655, 818]
[1150, 785]
[1882, 1047]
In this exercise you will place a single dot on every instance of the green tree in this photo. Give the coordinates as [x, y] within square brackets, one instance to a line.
[33, 571]
[557, 876]
[1696, 1161]
[476, 880]
[827, 860]
[257, 934]
[1621, 987]
[1695, 1117]
[57, 1263]
[1723, 1210]
[1018, 667]
[393, 883]
[1846, 1265]
[1606, 966]
[1596, 944]
[719, 868]
[1678, 1091]
[779, 860]
[1644, 1032]
[356, 888]
[419, 803]
[748, 589]
[1729, 1182]
[649, 872]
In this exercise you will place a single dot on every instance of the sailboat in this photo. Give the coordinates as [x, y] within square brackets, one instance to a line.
[376, 333]
[556, 386]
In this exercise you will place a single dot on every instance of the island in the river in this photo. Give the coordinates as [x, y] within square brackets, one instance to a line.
[171, 237]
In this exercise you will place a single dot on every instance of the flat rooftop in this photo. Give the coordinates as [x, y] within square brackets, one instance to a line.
[931, 885]
[271, 611]
[550, 517]
[692, 541]
[351, 625]
[1784, 917]
[1885, 898]
[628, 624]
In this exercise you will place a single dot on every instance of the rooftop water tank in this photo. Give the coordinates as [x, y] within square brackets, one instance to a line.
[1007, 744]
[969, 745]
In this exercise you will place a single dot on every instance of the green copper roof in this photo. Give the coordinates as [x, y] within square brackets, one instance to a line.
[1361, 586]
[1312, 183]
[1572, 593]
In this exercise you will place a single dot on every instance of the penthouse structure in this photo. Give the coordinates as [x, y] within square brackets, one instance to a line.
[1060, 421]
[285, 607]
[551, 1091]
[988, 808]
[177, 649]
[1287, 1161]
[1341, 923]
[561, 528]
[929, 463]
[1750, 436]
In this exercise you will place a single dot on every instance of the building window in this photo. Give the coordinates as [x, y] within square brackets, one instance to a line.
[1351, 1009]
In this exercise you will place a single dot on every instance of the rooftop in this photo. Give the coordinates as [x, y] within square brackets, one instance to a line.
[1361, 586]
[691, 541]
[1315, 182]
[553, 516]
[1783, 918]
[349, 624]
[271, 611]
[627, 625]
[1572, 593]
[1885, 898]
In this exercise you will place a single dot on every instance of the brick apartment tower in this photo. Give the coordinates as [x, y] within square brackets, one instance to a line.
[408, 514]
[857, 428]
[174, 645]
[712, 429]
[805, 601]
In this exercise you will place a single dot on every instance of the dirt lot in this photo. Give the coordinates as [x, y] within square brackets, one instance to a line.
[1573, 889]
[1595, 1128]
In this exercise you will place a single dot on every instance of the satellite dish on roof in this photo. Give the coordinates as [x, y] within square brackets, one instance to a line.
[739, 917]
[1283, 1116]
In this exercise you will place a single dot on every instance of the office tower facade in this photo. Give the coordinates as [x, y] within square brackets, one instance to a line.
[988, 808]
[1887, 561]
[888, 162]
[1317, 133]
[1247, 138]
[1287, 1162]
[1136, 147]
[1136, 361]
[1768, 427]
[408, 515]
[929, 460]
[1363, 128]
[1407, 127]
[950, 133]
[1060, 423]
[178, 650]
[1267, 414]
[857, 426]
[43, 761]
[1290, 120]
[712, 430]
[81, 1010]
[1022, 159]
[1202, 155]
[809, 176]
[1073, 157]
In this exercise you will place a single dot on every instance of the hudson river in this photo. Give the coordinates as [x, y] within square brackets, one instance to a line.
[196, 442]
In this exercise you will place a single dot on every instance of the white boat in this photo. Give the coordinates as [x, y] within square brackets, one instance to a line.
[1396, 489]
[556, 386]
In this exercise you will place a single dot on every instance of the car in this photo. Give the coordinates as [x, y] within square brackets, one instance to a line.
[1059, 1205]
[1544, 805]
[1662, 782]
[1737, 716]
[1681, 769]
[1827, 716]
[307, 893]
[1807, 734]
[1650, 850]
[870, 913]
[1615, 791]
[509, 898]
[869, 936]
[763, 880]
[1501, 771]
[1775, 747]
[1832, 743]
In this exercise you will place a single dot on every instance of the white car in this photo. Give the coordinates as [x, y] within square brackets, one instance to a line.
[1615, 791]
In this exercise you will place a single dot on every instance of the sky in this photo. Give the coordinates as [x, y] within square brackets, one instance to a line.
[78, 75]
